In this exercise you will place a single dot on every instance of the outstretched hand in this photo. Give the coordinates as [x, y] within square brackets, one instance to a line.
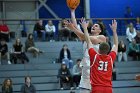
[70, 25]
[113, 26]
[84, 23]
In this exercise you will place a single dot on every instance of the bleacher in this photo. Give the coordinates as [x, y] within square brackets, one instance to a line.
[44, 70]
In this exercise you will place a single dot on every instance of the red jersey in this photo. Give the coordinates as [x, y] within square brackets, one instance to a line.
[4, 28]
[101, 68]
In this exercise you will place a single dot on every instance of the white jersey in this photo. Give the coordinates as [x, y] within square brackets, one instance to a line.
[85, 64]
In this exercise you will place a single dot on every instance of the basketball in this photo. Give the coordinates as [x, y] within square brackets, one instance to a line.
[73, 4]
[137, 77]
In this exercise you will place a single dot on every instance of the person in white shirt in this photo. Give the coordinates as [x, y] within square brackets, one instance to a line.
[131, 32]
[50, 30]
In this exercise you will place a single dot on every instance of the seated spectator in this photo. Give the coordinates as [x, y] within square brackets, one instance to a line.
[28, 87]
[64, 76]
[65, 56]
[77, 73]
[50, 31]
[4, 31]
[134, 51]
[137, 38]
[18, 52]
[138, 25]
[30, 46]
[39, 31]
[131, 32]
[7, 86]
[4, 51]
[73, 35]
[122, 51]
[64, 31]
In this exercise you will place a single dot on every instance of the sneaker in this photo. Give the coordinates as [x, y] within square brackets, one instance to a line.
[72, 88]
[62, 88]
[77, 88]
[9, 62]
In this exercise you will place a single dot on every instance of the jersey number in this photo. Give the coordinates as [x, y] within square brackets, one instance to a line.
[102, 66]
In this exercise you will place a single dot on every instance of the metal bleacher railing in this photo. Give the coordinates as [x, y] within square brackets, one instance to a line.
[17, 24]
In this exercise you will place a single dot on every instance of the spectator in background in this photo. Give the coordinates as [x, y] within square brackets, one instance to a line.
[7, 86]
[39, 30]
[50, 30]
[4, 31]
[134, 51]
[122, 51]
[4, 51]
[77, 73]
[30, 46]
[28, 87]
[130, 32]
[137, 38]
[18, 52]
[138, 25]
[64, 31]
[65, 56]
[64, 76]
[128, 14]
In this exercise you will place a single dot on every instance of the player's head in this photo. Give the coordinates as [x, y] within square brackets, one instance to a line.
[97, 28]
[104, 48]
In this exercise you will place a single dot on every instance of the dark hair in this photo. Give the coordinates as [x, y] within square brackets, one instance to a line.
[29, 36]
[104, 48]
[5, 81]
[65, 45]
[27, 77]
[102, 28]
[78, 60]
[16, 42]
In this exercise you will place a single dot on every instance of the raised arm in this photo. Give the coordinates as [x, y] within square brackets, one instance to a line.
[80, 34]
[84, 25]
[73, 18]
[115, 36]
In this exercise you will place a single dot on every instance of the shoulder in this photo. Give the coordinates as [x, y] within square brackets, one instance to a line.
[102, 38]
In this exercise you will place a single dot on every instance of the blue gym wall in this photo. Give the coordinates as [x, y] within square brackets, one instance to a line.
[113, 8]
[61, 9]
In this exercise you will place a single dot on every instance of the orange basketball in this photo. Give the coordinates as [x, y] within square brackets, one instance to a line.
[73, 4]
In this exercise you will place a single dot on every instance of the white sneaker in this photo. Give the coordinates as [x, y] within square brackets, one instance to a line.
[72, 88]
[9, 62]
[77, 88]
[62, 88]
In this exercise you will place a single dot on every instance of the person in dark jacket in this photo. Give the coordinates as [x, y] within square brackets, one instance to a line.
[39, 30]
[18, 53]
[30, 46]
[65, 76]
[65, 56]
[122, 51]
[7, 86]
[28, 87]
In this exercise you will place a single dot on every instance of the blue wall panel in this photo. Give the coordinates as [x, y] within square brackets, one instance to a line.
[61, 9]
[113, 8]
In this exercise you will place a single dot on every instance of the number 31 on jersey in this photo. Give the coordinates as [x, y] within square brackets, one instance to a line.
[102, 66]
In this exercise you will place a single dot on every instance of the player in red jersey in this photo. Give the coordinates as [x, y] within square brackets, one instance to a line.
[102, 63]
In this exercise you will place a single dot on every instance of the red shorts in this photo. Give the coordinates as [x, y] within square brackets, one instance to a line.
[101, 89]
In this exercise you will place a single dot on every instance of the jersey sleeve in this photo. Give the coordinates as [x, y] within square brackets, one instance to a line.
[113, 55]
[92, 54]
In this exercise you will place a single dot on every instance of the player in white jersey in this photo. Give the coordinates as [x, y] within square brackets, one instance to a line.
[85, 86]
